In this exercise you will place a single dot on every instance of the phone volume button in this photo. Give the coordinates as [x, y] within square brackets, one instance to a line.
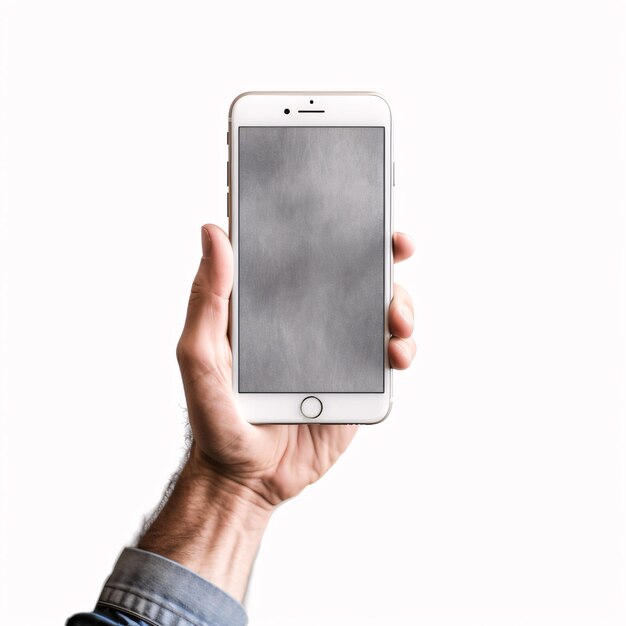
[227, 173]
[227, 204]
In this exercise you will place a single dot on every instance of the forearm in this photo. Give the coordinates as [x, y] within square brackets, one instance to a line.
[193, 563]
[211, 525]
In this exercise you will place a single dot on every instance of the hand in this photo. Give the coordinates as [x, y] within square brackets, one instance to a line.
[237, 472]
[273, 462]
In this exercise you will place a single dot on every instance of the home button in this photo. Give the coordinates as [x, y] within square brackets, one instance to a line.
[311, 407]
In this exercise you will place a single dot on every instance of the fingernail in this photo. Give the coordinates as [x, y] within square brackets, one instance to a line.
[406, 314]
[206, 243]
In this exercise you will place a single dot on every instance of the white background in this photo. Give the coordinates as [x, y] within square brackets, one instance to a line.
[494, 494]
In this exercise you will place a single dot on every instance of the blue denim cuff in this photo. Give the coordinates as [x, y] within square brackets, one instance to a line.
[164, 593]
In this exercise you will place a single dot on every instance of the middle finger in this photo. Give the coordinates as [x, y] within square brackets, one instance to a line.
[401, 313]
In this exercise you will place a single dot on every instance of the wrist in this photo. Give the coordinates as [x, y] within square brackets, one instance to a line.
[212, 525]
[240, 504]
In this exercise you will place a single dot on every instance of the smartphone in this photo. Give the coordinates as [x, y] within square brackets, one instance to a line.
[310, 178]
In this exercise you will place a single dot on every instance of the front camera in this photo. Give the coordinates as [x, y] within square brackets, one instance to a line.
[286, 111]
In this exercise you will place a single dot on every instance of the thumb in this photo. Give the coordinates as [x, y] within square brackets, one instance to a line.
[207, 312]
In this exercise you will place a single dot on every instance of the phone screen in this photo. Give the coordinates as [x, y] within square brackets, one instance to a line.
[311, 217]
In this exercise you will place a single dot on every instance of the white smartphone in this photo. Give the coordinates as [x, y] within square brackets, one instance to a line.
[310, 178]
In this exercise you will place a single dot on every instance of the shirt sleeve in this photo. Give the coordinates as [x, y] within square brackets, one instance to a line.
[146, 589]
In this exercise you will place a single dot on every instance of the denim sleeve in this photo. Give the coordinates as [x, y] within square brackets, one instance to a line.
[146, 589]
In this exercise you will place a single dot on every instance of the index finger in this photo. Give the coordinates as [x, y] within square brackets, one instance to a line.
[403, 247]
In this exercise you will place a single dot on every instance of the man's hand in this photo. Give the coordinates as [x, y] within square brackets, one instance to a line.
[273, 462]
[238, 472]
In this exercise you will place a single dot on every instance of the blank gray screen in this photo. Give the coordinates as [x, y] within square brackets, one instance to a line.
[311, 259]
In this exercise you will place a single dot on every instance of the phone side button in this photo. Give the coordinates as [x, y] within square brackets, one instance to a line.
[227, 204]
[311, 407]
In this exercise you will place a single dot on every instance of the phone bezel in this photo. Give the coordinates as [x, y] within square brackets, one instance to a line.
[340, 109]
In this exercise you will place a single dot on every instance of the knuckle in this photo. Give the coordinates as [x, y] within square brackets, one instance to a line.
[186, 350]
[196, 292]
